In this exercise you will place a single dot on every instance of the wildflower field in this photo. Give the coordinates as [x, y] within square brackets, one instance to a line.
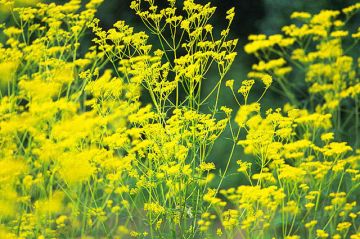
[115, 137]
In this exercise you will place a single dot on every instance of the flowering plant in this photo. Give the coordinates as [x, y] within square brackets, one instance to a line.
[82, 156]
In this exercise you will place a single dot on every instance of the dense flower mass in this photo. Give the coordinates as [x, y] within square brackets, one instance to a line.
[82, 155]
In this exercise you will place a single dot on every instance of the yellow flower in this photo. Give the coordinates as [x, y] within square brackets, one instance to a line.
[154, 207]
[292, 237]
[343, 226]
[206, 166]
[230, 84]
[51, 205]
[322, 233]
[76, 167]
[326, 137]
[300, 15]
[245, 111]
[311, 224]
[7, 72]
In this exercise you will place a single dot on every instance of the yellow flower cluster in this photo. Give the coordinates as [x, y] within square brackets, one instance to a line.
[316, 45]
[80, 155]
[304, 179]
[299, 179]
